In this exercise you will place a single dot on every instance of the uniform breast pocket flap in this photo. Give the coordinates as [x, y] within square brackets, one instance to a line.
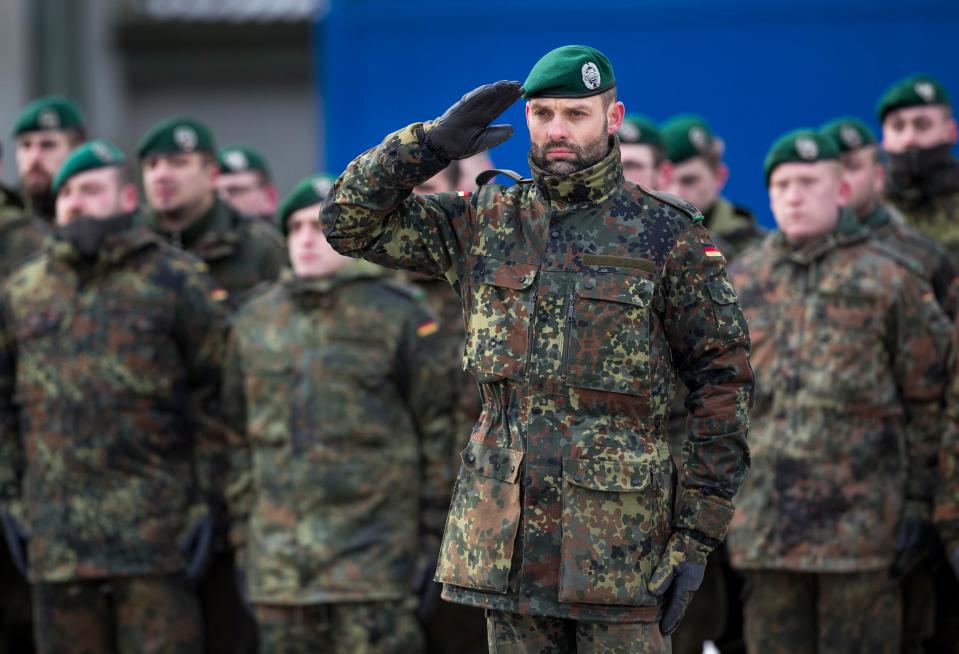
[268, 381]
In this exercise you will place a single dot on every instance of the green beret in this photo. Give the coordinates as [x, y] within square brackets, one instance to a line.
[572, 71]
[639, 129]
[802, 146]
[914, 91]
[687, 136]
[50, 112]
[241, 158]
[89, 156]
[176, 135]
[308, 192]
[848, 133]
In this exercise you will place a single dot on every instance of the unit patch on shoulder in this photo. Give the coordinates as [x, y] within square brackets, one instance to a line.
[427, 328]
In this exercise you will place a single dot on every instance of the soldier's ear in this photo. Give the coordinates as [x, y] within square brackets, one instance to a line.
[614, 116]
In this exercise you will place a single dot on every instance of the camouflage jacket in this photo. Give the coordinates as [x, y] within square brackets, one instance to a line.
[938, 268]
[20, 235]
[946, 512]
[337, 386]
[241, 251]
[734, 225]
[584, 297]
[930, 206]
[446, 305]
[109, 388]
[848, 348]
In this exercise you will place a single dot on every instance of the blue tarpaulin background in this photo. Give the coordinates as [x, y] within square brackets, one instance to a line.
[754, 69]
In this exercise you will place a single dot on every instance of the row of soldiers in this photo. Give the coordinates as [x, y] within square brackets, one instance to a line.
[238, 444]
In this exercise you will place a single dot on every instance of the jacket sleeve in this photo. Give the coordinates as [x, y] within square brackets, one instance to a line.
[373, 214]
[710, 346]
[11, 448]
[423, 371]
[919, 343]
[239, 481]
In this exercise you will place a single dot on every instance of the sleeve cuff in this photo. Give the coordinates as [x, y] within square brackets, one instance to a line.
[709, 515]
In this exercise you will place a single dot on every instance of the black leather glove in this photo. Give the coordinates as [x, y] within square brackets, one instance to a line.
[915, 539]
[680, 571]
[16, 537]
[196, 547]
[465, 130]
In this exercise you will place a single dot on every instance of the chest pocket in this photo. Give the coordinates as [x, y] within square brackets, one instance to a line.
[504, 296]
[268, 383]
[608, 334]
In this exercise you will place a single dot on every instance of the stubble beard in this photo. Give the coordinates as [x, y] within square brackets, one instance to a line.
[585, 156]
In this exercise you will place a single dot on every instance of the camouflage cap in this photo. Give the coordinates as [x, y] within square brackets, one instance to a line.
[913, 91]
[848, 133]
[308, 192]
[242, 158]
[89, 156]
[639, 129]
[799, 146]
[49, 112]
[687, 136]
[176, 135]
[571, 71]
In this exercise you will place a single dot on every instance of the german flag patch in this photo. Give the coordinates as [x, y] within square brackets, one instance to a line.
[427, 328]
[219, 294]
[463, 194]
[712, 251]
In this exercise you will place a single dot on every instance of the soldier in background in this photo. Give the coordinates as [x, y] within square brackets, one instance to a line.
[337, 379]
[112, 344]
[699, 176]
[643, 153]
[847, 347]
[918, 132]
[45, 132]
[245, 182]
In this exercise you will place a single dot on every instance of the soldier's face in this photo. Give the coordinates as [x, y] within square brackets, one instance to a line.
[697, 182]
[639, 164]
[805, 199]
[98, 193]
[39, 157]
[248, 192]
[310, 252]
[570, 134]
[864, 175]
[173, 182]
[913, 128]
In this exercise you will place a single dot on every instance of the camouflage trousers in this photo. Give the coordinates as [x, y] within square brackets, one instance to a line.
[143, 615]
[808, 613]
[345, 628]
[512, 633]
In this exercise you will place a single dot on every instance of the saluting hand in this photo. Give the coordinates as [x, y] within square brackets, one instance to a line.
[465, 130]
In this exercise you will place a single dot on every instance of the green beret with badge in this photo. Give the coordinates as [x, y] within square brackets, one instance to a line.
[179, 135]
[848, 133]
[687, 136]
[241, 159]
[89, 156]
[800, 146]
[49, 112]
[640, 130]
[913, 91]
[571, 71]
[308, 192]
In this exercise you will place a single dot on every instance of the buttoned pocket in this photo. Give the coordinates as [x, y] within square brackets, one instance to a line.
[607, 344]
[616, 519]
[480, 534]
[729, 316]
[499, 327]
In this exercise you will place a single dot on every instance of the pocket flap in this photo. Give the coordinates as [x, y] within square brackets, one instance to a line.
[721, 291]
[615, 287]
[606, 475]
[491, 461]
[508, 274]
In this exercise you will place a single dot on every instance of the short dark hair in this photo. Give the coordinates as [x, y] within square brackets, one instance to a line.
[608, 96]
[75, 136]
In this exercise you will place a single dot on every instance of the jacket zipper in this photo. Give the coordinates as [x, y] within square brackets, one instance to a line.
[570, 309]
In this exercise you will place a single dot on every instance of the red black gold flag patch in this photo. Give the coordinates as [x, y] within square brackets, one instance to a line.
[427, 328]
[712, 251]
